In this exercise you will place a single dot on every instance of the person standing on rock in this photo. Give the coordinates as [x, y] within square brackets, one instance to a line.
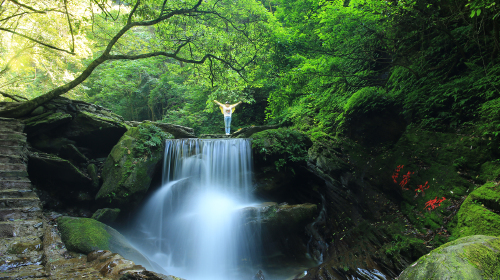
[227, 109]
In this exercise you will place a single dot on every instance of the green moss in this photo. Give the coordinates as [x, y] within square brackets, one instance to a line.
[83, 235]
[47, 118]
[128, 170]
[472, 257]
[476, 215]
[485, 257]
[490, 171]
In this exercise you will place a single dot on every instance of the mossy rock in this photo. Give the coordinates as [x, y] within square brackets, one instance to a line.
[84, 235]
[472, 257]
[280, 221]
[98, 132]
[129, 168]
[46, 122]
[479, 212]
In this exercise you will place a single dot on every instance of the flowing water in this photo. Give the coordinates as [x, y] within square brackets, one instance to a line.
[192, 226]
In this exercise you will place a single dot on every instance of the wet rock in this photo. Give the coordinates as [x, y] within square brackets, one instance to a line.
[129, 168]
[472, 257]
[106, 215]
[278, 221]
[84, 235]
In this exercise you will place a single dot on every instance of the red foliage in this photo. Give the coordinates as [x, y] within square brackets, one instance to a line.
[406, 179]
[433, 203]
[421, 188]
[396, 174]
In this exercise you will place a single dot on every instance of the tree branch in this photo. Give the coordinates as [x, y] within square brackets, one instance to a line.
[35, 40]
[27, 7]
[70, 27]
[129, 20]
[13, 97]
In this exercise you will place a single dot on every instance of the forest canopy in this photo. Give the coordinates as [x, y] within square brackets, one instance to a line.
[312, 64]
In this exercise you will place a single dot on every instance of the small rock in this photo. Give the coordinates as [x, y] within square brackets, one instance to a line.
[259, 276]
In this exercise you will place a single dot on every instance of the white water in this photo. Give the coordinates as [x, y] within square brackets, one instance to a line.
[192, 225]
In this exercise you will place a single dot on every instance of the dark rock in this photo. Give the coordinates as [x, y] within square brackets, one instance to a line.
[49, 144]
[46, 167]
[106, 215]
[92, 171]
[472, 257]
[96, 131]
[45, 122]
[279, 221]
[72, 153]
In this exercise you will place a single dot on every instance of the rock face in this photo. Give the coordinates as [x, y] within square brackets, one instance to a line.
[280, 221]
[130, 166]
[85, 235]
[280, 157]
[479, 212]
[89, 127]
[472, 257]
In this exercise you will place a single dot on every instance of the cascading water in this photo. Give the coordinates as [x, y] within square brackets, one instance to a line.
[192, 226]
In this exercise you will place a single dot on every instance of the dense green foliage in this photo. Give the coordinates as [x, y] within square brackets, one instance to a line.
[283, 146]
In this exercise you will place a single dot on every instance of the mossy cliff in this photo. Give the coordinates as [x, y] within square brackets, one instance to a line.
[129, 168]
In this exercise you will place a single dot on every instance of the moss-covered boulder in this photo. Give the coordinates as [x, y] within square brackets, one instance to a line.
[84, 235]
[472, 257]
[479, 214]
[129, 168]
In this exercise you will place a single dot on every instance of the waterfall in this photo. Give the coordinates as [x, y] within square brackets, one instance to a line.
[192, 226]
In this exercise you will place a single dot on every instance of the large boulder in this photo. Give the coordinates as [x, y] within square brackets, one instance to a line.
[472, 257]
[479, 212]
[130, 166]
[84, 235]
